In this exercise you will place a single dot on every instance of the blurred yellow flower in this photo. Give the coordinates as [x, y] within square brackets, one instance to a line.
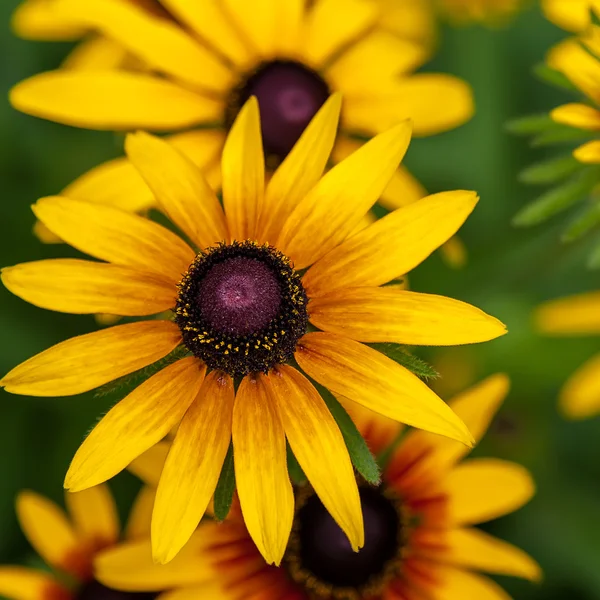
[69, 543]
[576, 315]
[290, 56]
[241, 310]
[420, 539]
[479, 11]
[572, 15]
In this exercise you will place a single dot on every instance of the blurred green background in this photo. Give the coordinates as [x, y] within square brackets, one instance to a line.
[509, 272]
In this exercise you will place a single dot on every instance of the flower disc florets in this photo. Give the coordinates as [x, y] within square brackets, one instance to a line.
[241, 308]
[321, 559]
[289, 95]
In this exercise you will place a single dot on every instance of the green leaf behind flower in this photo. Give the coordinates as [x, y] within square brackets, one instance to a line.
[223, 497]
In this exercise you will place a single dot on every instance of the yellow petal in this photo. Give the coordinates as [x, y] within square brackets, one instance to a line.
[455, 583]
[270, 27]
[212, 25]
[392, 246]
[180, 188]
[140, 515]
[301, 169]
[161, 44]
[135, 424]
[326, 33]
[474, 549]
[482, 489]
[118, 183]
[39, 20]
[580, 397]
[392, 314]
[319, 447]
[336, 204]
[149, 465]
[572, 315]
[94, 515]
[129, 566]
[588, 153]
[435, 103]
[111, 100]
[96, 54]
[243, 170]
[84, 287]
[88, 361]
[411, 19]
[454, 253]
[377, 382]
[374, 63]
[573, 15]
[261, 475]
[216, 589]
[116, 236]
[577, 115]
[21, 583]
[193, 466]
[46, 527]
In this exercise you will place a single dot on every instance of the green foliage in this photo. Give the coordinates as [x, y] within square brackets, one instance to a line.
[360, 454]
[583, 223]
[223, 496]
[548, 75]
[550, 171]
[294, 469]
[529, 124]
[403, 357]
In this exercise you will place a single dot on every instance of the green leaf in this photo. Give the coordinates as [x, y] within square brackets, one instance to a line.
[557, 199]
[556, 78]
[560, 134]
[593, 261]
[550, 171]
[415, 365]
[530, 124]
[294, 469]
[583, 223]
[360, 454]
[225, 487]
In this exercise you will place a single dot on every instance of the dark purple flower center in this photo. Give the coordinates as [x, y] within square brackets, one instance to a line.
[289, 95]
[323, 558]
[241, 308]
[94, 590]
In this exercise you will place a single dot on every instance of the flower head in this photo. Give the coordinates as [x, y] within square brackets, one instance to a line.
[68, 543]
[420, 539]
[241, 356]
[572, 15]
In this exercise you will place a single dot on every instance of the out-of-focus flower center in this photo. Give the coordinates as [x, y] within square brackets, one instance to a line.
[241, 308]
[320, 557]
[289, 95]
[93, 590]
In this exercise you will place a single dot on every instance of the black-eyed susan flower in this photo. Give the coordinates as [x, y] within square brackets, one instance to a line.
[479, 11]
[68, 543]
[204, 65]
[575, 315]
[572, 15]
[276, 286]
[420, 539]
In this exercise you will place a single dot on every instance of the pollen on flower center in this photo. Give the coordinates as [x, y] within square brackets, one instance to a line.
[94, 590]
[320, 557]
[289, 95]
[241, 308]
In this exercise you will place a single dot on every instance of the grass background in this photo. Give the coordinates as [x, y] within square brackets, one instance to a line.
[508, 273]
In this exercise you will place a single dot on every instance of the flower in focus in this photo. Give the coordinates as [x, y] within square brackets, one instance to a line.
[420, 539]
[575, 315]
[572, 15]
[69, 544]
[290, 55]
[269, 262]
[478, 11]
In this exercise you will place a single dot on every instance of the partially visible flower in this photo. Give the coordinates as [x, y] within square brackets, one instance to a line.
[572, 15]
[479, 11]
[575, 315]
[420, 539]
[266, 261]
[68, 543]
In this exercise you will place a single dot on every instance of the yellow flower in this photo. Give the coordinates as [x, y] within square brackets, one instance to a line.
[576, 315]
[69, 543]
[482, 11]
[572, 15]
[420, 539]
[242, 310]
[578, 60]
[290, 55]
